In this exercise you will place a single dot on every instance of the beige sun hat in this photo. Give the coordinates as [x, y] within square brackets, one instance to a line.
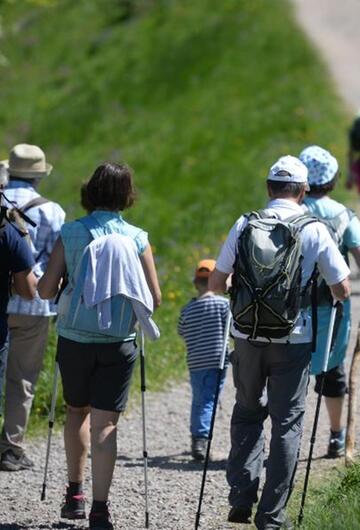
[28, 162]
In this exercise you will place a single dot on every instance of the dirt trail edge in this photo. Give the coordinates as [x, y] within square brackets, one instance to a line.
[333, 26]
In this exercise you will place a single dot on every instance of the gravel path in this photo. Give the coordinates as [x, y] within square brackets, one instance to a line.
[174, 480]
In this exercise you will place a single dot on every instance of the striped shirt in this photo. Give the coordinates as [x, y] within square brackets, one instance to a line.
[48, 218]
[202, 325]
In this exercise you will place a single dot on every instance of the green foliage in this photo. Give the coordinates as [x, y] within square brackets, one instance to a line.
[199, 97]
[332, 502]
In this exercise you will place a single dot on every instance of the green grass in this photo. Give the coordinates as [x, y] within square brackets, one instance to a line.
[198, 97]
[333, 500]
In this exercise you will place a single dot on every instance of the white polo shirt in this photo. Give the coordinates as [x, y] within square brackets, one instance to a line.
[317, 247]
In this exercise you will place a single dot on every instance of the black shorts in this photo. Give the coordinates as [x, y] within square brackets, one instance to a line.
[334, 383]
[96, 374]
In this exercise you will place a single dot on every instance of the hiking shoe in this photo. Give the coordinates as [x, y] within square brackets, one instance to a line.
[13, 462]
[336, 445]
[240, 514]
[198, 448]
[73, 507]
[100, 520]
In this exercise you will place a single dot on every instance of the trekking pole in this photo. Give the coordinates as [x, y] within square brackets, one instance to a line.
[145, 454]
[334, 309]
[216, 398]
[51, 425]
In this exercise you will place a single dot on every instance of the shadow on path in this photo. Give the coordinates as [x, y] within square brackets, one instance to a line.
[58, 526]
[177, 462]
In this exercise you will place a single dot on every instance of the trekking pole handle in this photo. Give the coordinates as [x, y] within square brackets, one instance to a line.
[336, 305]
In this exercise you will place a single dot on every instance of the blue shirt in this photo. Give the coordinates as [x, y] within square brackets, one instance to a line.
[15, 256]
[75, 237]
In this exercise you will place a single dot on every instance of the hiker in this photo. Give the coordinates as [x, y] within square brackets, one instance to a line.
[272, 330]
[202, 324]
[16, 262]
[353, 177]
[342, 222]
[95, 363]
[28, 320]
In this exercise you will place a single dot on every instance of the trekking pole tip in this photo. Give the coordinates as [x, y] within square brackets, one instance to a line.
[43, 492]
[300, 518]
[147, 520]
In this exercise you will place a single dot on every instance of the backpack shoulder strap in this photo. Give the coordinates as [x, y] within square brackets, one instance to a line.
[260, 214]
[302, 220]
[38, 201]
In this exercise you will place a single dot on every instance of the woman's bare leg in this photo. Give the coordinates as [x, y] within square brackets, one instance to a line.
[334, 407]
[103, 451]
[77, 441]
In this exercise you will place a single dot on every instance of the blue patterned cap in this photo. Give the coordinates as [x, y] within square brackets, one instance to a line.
[322, 166]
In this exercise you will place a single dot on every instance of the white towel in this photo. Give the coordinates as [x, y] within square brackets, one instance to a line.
[114, 268]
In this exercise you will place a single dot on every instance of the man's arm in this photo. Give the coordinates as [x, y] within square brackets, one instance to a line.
[341, 290]
[332, 265]
[25, 283]
[217, 281]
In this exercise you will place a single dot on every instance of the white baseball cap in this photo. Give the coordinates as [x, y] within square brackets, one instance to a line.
[289, 169]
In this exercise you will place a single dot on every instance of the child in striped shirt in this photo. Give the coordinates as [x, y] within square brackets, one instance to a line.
[202, 325]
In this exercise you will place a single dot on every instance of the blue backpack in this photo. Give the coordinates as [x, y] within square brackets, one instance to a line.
[73, 314]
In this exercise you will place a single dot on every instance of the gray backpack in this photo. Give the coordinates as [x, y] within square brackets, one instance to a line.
[266, 293]
[336, 227]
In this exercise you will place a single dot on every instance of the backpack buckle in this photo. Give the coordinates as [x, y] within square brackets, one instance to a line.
[258, 293]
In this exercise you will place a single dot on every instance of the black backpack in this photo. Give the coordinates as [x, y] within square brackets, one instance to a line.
[266, 293]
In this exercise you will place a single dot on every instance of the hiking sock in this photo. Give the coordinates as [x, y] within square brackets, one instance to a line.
[337, 434]
[99, 506]
[75, 488]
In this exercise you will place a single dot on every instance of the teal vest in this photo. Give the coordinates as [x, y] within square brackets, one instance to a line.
[71, 308]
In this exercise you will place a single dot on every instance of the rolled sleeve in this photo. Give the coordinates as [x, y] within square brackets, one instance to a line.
[226, 258]
[141, 241]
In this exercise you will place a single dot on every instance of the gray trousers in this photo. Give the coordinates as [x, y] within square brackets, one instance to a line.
[284, 370]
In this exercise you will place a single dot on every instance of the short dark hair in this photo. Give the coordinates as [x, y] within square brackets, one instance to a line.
[287, 189]
[324, 188]
[110, 187]
[84, 200]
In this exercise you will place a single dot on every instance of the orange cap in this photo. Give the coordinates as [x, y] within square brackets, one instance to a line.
[204, 268]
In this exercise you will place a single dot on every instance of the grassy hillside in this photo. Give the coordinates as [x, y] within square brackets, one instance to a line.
[198, 97]
[332, 502]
